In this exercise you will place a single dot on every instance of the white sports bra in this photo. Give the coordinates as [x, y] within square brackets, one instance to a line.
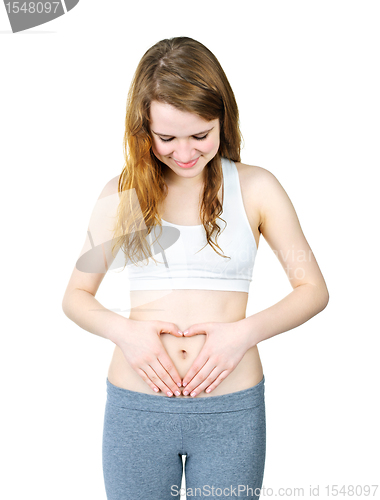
[181, 262]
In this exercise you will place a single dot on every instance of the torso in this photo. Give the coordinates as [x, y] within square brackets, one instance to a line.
[187, 307]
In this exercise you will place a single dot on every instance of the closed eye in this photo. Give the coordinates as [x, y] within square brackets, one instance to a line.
[195, 137]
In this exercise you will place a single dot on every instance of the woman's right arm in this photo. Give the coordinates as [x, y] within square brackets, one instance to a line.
[139, 340]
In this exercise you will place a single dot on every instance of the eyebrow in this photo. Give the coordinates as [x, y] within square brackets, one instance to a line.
[198, 133]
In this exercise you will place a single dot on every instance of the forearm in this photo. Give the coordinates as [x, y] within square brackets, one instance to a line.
[87, 312]
[299, 306]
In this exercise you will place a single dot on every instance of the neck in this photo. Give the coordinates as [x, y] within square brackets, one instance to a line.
[175, 181]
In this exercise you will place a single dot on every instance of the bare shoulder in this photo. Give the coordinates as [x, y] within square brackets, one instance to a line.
[256, 177]
[104, 213]
[260, 188]
[110, 188]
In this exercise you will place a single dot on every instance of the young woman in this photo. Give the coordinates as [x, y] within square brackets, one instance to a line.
[187, 215]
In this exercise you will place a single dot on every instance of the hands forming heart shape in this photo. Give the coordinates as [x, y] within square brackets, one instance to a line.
[225, 346]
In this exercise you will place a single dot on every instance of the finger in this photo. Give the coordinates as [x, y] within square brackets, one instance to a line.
[214, 378]
[146, 379]
[197, 388]
[171, 328]
[219, 379]
[169, 366]
[157, 379]
[202, 375]
[195, 330]
[197, 365]
[163, 375]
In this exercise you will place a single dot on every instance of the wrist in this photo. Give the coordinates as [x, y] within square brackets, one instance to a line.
[118, 330]
[248, 331]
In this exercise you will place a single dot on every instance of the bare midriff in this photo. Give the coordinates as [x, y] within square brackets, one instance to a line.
[185, 308]
[188, 307]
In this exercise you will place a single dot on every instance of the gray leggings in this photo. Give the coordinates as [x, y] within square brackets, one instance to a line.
[223, 439]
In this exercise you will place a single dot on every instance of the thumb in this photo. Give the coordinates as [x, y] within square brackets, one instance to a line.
[194, 330]
[170, 328]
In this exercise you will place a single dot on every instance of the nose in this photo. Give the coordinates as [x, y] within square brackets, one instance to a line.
[184, 152]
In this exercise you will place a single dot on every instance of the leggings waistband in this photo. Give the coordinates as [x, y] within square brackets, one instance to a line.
[234, 401]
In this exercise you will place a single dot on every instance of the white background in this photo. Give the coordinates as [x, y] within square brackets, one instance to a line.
[306, 79]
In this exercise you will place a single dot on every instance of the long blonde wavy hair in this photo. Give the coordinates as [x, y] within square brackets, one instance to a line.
[181, 72]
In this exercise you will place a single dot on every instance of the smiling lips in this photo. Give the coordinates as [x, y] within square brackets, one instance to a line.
[186, 165]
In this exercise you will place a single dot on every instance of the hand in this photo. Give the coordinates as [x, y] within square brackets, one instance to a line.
[144, 351]
[225, 346]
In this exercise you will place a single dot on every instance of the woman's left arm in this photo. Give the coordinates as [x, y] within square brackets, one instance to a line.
[280, 227]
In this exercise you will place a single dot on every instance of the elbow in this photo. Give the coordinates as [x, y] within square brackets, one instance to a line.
[323, 298]
[325, 302]
[318, 297]
[66, 305]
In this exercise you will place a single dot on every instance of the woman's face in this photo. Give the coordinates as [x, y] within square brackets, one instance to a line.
[183, 141]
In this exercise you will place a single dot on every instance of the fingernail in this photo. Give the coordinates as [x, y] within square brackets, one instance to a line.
[184, 384]
[179, 331]
[169, 393]
[177, 393]
[179, 384]
[185, 332]
[155, 389]
[193, 394]
[185, 393]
